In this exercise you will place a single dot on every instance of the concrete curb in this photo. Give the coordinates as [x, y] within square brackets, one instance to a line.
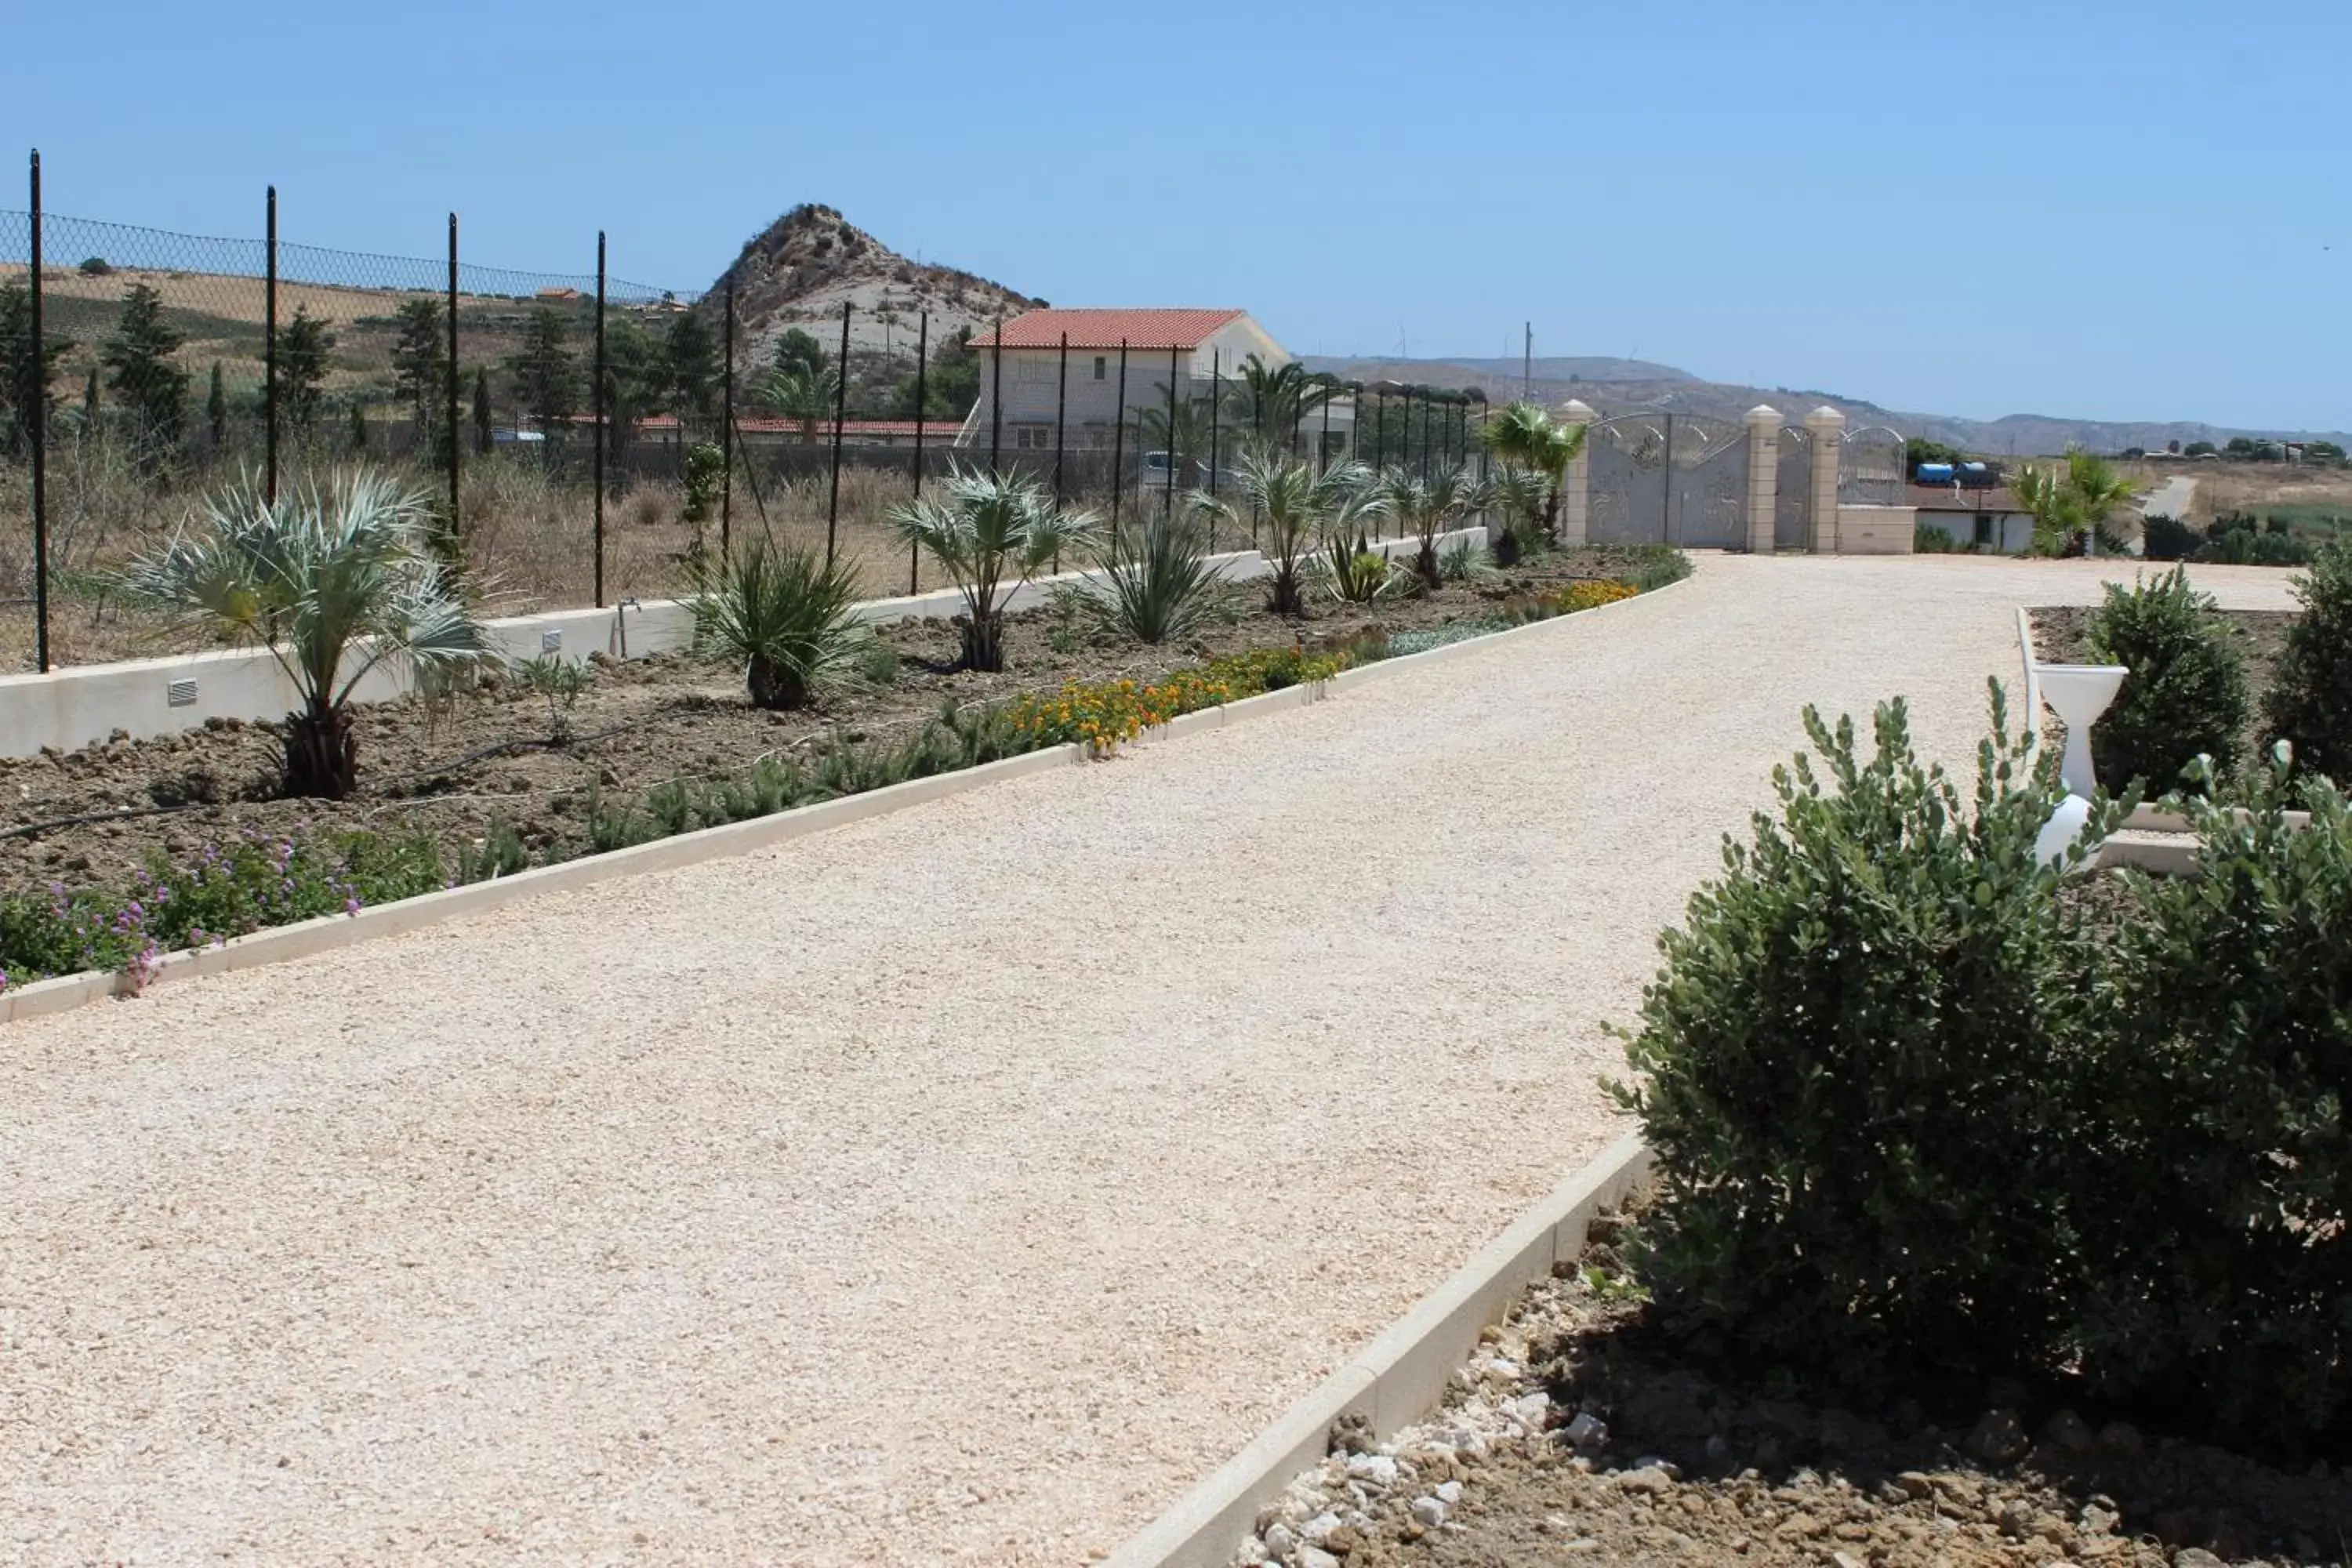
[282, 943]
[1395, 1380]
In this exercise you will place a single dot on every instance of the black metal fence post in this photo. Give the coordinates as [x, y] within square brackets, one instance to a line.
[922, 390]
[454, 450]
[995, 396]
[40, 423]
[1217, 398]
[726, 435]
[1323, 442]
[270, 357]
[599, 404]
[1061, 415]
[1380, 428]
[1168, 507]
[840, 410]
[1118, 446]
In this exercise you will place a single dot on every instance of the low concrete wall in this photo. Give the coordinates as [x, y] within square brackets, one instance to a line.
[67, 709]
[1877, 530]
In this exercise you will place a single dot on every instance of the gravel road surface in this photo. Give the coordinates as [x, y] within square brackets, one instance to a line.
[957, 1187]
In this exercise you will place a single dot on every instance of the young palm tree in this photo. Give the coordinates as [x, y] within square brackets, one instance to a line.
[334, 580]
[785, 613]
[1519, 495]
[1431, 507]
[803, 393]
[1295, 509]
[983, 529]
[2068, 504]
[1524, 436]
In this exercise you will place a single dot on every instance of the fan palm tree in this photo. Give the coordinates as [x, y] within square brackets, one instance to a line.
[1297, 508]
[1268, 402]
[801, 393]
[2069, 504]
[1519, 495]
[982, 529]
[333, 581]
[1524, 436]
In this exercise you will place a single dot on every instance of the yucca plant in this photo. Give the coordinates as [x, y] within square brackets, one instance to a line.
[784, 612]
[989, 533]
[1163, 590]
[1526, 437]
[1297, 508]
[335, 579]
[1356, 575]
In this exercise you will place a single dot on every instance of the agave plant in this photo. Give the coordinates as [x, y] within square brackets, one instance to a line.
[1296, 510]
[1356, 574]
[1429, 506]
[1163, 591]
[785, 613]
[1524, 436]
[989, 533]
[334, 580]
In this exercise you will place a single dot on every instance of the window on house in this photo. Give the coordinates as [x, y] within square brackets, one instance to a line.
[1102, 364]
[1032, 437]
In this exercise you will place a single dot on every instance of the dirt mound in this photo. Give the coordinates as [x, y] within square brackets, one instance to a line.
[805, 266]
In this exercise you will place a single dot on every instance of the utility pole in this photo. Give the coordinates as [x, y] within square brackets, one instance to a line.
[1527, 363]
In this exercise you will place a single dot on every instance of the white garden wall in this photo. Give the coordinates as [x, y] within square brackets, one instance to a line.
[67, 709]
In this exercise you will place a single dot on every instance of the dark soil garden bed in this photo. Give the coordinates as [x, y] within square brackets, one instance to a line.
[452, 769]
[1583, 1432]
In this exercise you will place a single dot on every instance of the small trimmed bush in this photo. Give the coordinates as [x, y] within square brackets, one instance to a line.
[2310, 702]
[2186, 694]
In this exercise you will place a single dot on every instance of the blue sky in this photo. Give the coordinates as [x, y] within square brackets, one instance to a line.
[2076, 207]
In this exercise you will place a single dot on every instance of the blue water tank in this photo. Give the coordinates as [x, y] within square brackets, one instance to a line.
[1932, 474]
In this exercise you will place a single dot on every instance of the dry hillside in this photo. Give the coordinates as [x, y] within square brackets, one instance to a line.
[810, 262]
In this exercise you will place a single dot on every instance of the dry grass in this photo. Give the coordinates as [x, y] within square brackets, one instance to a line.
[2224, 488]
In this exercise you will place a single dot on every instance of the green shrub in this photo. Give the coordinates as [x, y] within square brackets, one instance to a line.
[2170, 539]
[1932, 540]
[2310, 701]
[2186, 694]
[1650, 566]
[2242, 540]
[1163, 591]
[2214, 1178]
[1852, 1069]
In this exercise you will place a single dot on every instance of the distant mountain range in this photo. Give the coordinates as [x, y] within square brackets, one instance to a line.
[1620, 385]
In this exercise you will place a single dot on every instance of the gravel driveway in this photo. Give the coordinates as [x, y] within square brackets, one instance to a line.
[955, 1188]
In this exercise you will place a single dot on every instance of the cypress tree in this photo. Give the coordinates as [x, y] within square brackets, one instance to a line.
[216, 409]
[482, 409]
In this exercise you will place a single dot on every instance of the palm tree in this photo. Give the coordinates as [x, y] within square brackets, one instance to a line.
[981, 529]
[1269, 403]
[803, 392]
[1297, 508]
[2069, 504]
[1191, 436]
[785, 613]
[1519, 495]
[1524, 436]
[322, 577]
[1429, 507]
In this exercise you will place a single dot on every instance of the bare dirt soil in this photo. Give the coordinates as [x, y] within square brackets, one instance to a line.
[1581, 1432]
[453, 768]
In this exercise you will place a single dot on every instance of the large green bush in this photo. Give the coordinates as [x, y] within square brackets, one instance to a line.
[2186, 695]
[1850, 1068]
[2214, 1172]
[2310, 702]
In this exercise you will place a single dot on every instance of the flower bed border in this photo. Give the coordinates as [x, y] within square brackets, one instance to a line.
[278, 944]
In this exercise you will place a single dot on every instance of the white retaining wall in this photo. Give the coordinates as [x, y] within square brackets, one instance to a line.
[67, 709]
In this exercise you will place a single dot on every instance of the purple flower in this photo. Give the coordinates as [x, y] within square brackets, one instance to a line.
[352, 905]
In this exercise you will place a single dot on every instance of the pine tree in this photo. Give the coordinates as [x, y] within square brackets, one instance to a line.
[420, 369]
[796, 350]
[216, 409]
[24, 375]
[482, 409]
[141, 372]
[692, 368]
[547, 381]
[303, 347]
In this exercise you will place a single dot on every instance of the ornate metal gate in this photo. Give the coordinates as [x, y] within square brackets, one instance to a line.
[1793, 506]
[1667, 478]
[1627, 479]
[1872, 470]
[1706, 501]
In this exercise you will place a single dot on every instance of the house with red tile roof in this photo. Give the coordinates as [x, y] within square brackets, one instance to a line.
[1090, 368]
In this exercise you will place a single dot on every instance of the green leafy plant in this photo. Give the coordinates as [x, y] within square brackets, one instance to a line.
[1162, 590]
[1459, 564]
[1522, 436]
[705, 474]
[875, 660]
[2310, 699]
[1426, 508]
[499, 852]
[1297, 508]
[989, 533]
[788, 614]
[561, 681]
[2186, 694]
[2070, 504]
[1354, 576]
[335, 579]
[1852, 1068]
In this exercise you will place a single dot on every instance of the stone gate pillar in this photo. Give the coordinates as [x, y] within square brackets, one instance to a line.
[1576, 490]
[1827, 427]
[1763, 476]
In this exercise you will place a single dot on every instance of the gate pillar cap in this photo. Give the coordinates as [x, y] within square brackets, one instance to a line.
[1825, 417]
[1763, 413]
[1576, 411]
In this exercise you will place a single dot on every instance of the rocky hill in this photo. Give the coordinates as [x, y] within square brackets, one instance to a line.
[801, 270]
